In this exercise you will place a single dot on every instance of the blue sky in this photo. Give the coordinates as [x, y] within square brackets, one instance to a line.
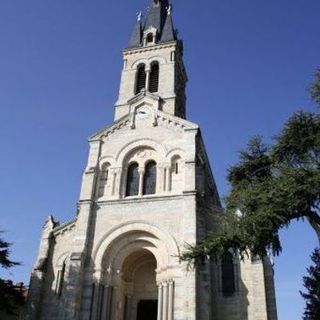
[249, 64]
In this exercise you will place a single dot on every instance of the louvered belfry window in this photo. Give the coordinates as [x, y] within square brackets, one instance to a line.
[228, 275]
[133, 179]
[141, 78]
[154, 78]
[150, 178]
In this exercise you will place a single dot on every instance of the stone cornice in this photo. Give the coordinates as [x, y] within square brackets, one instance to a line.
[64, 227]
[124, 121]
[130, 200]
[156, 47]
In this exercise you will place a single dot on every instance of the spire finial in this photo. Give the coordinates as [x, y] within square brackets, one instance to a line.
[139, 15]
[169, 9]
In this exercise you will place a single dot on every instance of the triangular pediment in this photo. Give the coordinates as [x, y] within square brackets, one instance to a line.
[139, 108]
[109, 130]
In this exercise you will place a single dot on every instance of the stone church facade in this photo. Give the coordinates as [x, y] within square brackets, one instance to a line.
[146, 192]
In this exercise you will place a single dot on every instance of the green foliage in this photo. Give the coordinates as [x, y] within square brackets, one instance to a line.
[312, 285]
[315, 88]
[271, 185]
[10, 297]
[5, 262]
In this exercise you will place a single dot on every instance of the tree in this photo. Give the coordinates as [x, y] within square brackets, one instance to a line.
[312, 285]
[10, 298]
[315, 88]
[271, 186]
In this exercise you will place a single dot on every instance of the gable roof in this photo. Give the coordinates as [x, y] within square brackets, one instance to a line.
[176, 122]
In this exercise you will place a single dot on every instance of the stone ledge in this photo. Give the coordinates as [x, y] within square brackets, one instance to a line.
[145, 199]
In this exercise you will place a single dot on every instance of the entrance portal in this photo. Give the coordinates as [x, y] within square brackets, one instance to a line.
[147, 310]
[139, 287]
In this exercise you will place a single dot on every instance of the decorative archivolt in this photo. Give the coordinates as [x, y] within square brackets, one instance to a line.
[162, 241]
[106, 161]
[148, 62]
[159, 148]
[141, 156]
[142, 148]
[118, 254]
[159, 59]
[175, 152]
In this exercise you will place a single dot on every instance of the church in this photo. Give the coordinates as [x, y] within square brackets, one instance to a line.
[147, 190]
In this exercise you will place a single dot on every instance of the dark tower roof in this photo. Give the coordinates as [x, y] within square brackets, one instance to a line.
[168, 33]
[158, 17]
[136, 36]
[157, 14]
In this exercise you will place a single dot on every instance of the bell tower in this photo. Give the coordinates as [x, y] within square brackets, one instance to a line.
[153, 63]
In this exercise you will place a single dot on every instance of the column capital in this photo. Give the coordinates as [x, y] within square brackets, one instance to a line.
[164, 165]
[115, 170]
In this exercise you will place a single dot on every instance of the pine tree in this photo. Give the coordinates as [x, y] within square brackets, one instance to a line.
[10, 297]
[271, 186]
[312, 285]
[315, 88]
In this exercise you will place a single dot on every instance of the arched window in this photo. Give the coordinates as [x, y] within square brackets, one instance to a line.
[60, 280]
[133, 178]
[150, 178]
[150, 38]
[228, 275]
[141, 78]
[154, 77]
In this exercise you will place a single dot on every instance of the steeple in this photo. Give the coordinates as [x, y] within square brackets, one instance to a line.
[153, 65]
[158, 23]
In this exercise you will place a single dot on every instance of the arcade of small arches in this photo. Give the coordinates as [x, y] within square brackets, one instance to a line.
[143, 172]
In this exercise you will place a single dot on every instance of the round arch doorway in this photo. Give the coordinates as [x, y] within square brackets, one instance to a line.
[139, 287]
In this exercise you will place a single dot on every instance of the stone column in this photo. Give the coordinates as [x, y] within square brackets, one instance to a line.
[161, 178]
[94, 301]
[113, 181]
[141, 177]
[109, 304]
[160, 289]
[116, 183]
[168, 180]
[120, 183]
[165, 302]
[147, 79]
[104, 306]
[171, 300]
[128, 307]
[101, 301]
